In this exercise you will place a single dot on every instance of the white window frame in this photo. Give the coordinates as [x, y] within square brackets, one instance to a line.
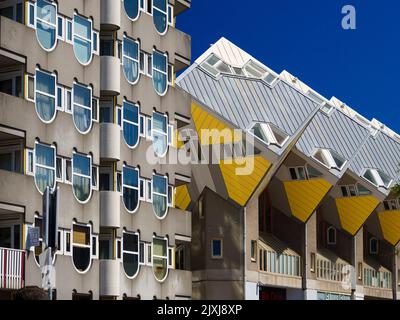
[161, 71]
[29, 152]
[95, 237]
[30, 5]
[149, 190]
[44, 166]
[328, 155]
[95, 34]
[131, 59]
[130, 187]
[297, 170]
[95, 106]
[96, 168]
[377, 176]
[154, 130]
[160, 194]
[144, 69]
[139, 9]
[55, 96]
[67, 92]
[118, 243]
[142, 257]
[82, 175]
[170, 255]
[149, 128]
[29, 77]
[131, 123]
[170, 134]
[55, 26]
[74, 35]
[170, 191]
[269, 132]
[160, 257]
[164, 12]
[65, 236]
[142, 189]
[130, 252]
[69, 22]
[61, 179]
[142, 125]
[62, 19]
[87, 225]
[170, 15]
[73, 103]
[65, 170]
[149, 254]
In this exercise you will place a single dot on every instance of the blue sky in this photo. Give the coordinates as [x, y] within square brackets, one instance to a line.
[360, 67]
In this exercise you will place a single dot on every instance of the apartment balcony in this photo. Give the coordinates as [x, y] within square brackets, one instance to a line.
[109, 278]
[110, 75]
[110, 18]
[110, 209]
[12, 268]
[330, 269]
[377, 282]
[110, 134]
[181, 6]
[277, 264]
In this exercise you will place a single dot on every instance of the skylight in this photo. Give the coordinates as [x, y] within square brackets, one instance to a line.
[377, 178]
[329, 158]
[254, 70]
[215, 65]
[269, 134]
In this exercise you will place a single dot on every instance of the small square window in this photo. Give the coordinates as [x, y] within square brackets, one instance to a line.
[68, 171]
[216, 248]
[59, 168]
[68, 100]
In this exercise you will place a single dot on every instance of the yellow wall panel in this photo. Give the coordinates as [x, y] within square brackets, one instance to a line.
[390, 225]
[304, 196]
[354, 211]
[241, 187]
[204, 121]
[182, 197]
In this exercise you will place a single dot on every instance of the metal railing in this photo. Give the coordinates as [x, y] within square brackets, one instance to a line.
[12, 268]
[285, 264]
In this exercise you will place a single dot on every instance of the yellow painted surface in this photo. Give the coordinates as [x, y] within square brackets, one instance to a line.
[182, 197]
[211, 130]
[390, 225]
[354, 211]
[177, 142]
[304, 196]
[241, 187]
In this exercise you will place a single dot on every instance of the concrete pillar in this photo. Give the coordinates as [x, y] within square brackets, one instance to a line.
[357, 261]
[309, 258]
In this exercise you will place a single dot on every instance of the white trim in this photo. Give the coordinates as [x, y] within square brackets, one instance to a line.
[160, 257]
[54, 95]
[61, 179]
[142, 189]
[65, 172]
[130, 123]
[44, 166]
[73, 103]
[68, 21]
[89, 246]
[170, 15]
[170, 201]
[30, 5]
[29, 152]
[74, 35]
[157, 131]
[137, 253]
[130, 187]
[160, 71]
[139, 9]
[49, 24]
[82, 175]
[163, 12]
[160, 194]
[95, 34]
[95, 237]
[65, 251]
[61, 37]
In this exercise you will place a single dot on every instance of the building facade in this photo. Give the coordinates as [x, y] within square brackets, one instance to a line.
[89, 105]
[315, 217]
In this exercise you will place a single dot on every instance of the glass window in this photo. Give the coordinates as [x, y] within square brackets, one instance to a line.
[377, 177]
[130, 60]
[160, 134]
[160, 15]
[130, 120]
[45, 171]
[270, 134]
[160, 77]
[82, 39]
[312, 172]
[132, 9]
[46, 24]
[216, 248]
[373, 246]
[130, 188]
[81, 247]
[130, 254]
[331, 235]
[45, 96]
[81, 177]
[107, 111]
[159, 193]
[160, 258]
[329, 158]
[82, 108]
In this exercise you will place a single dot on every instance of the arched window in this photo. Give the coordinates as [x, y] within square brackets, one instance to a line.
[45, 166]
[160, 73]
[132, 9]
[331, 235]
[130, 254]
[82, 107]
[45, 95]
[160, 196]
[130, 59]
[82, 177]
[81, 246]
[46, 24]
[160, 134]
[160, 16]
[130, 188]
[130, 121]
[82, 39]
[160, 258]
[373, 246]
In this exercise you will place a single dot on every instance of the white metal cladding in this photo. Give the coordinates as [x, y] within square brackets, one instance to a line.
[336, 131]
[242, 101]
[380, 152]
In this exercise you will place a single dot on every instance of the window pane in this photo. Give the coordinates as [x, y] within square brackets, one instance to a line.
[216, 246]
[81, 164]
[130, 242]
[160, 268]
[131, 199]
[44, 104]
[130, 177]
[46, 34]
[81, 235]
[131, 8]
[81, 258]
[44, 155]
[160, 184]
[82, 27]
[159, 247]
[131, 264]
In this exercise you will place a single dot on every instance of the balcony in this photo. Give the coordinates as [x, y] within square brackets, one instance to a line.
[109, 278]
[110, 209]
[110, 72]
[330, 269]
[381, 279]
[181, 6]
[110, 134]
[12, 268]
[110, 18]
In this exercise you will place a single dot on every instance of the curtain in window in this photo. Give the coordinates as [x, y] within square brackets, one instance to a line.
[81, 182]
[44, 169]
[160, 259]
[159, 195]
[159, 134]
[160, 15]
[45, 101]
[82, 39]
[130, 191]
[159, 72]
[82, 112]
[46, 14]
[132, 8]
[131, 124]
[130, 60]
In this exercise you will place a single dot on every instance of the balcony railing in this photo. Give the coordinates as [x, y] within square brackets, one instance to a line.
[12, 268]
[377, 279]
[330, 270]
[282, 263]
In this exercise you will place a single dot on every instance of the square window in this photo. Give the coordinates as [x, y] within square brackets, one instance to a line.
[216, 248]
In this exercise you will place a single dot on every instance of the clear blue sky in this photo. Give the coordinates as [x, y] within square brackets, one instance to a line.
[360, 67]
